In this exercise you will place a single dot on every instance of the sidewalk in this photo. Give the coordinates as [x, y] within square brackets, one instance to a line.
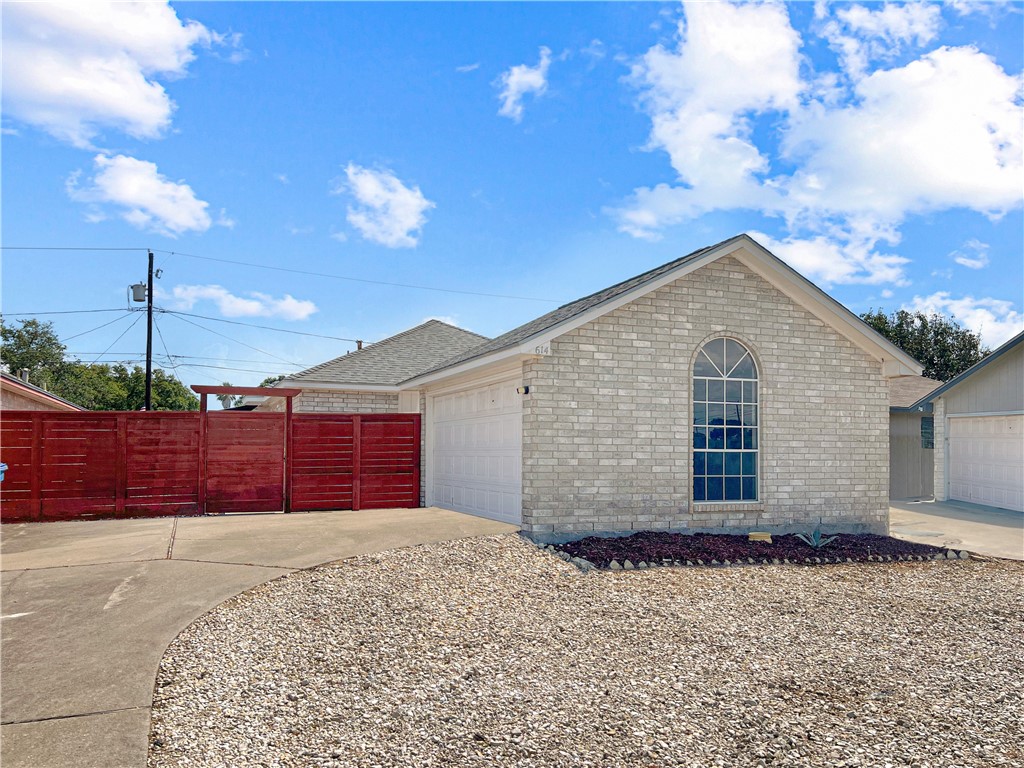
[90, 607]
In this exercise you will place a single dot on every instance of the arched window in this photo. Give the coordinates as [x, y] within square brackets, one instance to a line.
[724, 423]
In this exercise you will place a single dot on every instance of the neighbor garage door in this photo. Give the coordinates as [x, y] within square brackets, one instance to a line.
[476, 456]
[986, 460]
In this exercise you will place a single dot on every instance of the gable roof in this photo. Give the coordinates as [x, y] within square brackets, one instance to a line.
[392, 360]
[956, 380]
[904, 391]
[36, 394]
[569, 311]
[744, 248]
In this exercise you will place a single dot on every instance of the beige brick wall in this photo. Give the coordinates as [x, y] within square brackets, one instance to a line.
[606, 443]
[939, 414]
[326, 401]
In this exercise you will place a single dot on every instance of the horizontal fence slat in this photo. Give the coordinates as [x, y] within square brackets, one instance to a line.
[159, 463]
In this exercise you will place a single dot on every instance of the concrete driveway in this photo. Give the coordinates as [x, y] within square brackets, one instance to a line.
[955, 524]
[90, 607]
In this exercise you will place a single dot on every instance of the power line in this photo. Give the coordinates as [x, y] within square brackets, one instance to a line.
[63, 248]
[69, 312]
[223, 368]
[118, 338]
[191, 357]
[253, 325]
[292, 271]
[111, 323]
[357, 279]
[236, 341]
[186, 314]
[174, 370]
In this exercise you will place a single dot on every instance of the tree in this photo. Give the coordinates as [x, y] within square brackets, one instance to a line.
[939, 343]
[226, 401]
[270, 381]
[35, 346]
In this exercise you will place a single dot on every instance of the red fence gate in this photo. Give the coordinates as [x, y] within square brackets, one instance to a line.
[129, 464]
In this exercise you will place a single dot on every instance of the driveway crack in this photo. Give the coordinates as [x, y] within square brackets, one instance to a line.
[69, 717]
[170, 544]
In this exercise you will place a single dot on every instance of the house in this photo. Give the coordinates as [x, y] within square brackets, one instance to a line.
[17, 394]
[368, 380]
[721, 391]
[911, 438]
[979, 431]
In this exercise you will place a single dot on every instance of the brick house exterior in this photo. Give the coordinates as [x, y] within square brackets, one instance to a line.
[607, 425]
[587, 420]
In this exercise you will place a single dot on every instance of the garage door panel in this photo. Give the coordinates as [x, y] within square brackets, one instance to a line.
[986, 460]
[477, 451]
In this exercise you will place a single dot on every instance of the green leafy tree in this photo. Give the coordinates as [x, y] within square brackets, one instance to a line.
[35, 346]
[940, 344]
[169, 394]
[91, 386]
[32, 346]
[270, 381]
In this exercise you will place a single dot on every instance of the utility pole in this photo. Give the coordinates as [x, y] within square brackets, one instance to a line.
[149, 336]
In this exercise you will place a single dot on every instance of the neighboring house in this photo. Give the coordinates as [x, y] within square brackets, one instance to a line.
[911, 438]
[19, 395]
[979, 431]
[720, 391]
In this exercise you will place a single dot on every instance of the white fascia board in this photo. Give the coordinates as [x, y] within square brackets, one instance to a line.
[342, 387]
[895, 362]
[538, 344]
[503, 361]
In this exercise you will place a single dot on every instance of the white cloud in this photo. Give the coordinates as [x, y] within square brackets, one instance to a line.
[468, 67]
[450, 319]
[996, 320]
[253, 304]
[75, 68]
[389, 212]
[826, 260]
[973, 254]
[942, 132]
[520, 80]
[860, 35]
[143, 197]
[283, 178]
[732, 61]
[856, 155]
[595, 51]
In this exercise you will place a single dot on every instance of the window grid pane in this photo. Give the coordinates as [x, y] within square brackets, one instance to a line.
[725, 425]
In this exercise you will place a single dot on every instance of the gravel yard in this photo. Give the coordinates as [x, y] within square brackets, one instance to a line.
[490, 652]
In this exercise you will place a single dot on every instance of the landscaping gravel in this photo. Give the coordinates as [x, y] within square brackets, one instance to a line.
[491, 652]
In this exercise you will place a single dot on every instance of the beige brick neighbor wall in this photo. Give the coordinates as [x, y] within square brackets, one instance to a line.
[326, 401]
[606, 425]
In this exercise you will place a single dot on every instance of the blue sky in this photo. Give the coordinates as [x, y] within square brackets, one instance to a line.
[538, 151]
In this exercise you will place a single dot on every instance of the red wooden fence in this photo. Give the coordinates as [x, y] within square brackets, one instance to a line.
[129, 464]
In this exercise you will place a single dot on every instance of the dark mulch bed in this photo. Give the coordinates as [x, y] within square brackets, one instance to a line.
[657, 548]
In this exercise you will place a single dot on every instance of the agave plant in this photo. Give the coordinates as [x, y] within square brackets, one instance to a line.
[815, 540]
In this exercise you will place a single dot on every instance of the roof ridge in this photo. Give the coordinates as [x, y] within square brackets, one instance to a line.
[376, 345]
[607, 293]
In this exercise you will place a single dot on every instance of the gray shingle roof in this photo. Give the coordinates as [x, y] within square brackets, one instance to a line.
[570, 310]
[904, 391]
[394, 359]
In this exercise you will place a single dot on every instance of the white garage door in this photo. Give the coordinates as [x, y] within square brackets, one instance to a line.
[986, 460]
[477, 453]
